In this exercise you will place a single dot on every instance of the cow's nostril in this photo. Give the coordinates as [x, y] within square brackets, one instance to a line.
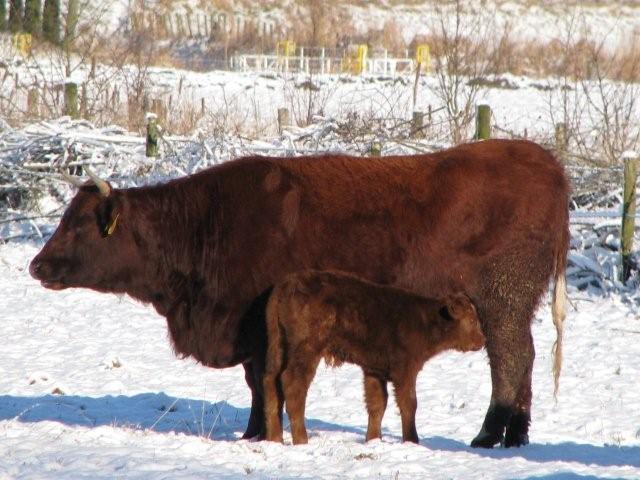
[35, 267]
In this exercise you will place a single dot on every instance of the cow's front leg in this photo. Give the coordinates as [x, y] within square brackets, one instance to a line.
[253, 343]
[253, 376]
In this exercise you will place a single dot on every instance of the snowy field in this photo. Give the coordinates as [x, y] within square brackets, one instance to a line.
[89, 385]
[89, 388]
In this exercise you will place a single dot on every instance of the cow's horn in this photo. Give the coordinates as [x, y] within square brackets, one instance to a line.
[75, 181]
[104, 187]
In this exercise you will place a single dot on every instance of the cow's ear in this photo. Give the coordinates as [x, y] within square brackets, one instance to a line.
[108, 216]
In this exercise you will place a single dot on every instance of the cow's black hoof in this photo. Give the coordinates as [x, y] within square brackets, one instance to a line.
[486, 440]
[260, 436]
[254, 432]
[515, 440]
[517, 430]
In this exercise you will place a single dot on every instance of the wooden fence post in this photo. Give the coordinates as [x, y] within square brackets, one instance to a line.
[417, 125]
[159, 109]
[561, 141]
[152, 135]
[71, 100]
[376, 148]
[284, 119]
[483, 122]
[83, 101]
[32, 102]
[628, 213]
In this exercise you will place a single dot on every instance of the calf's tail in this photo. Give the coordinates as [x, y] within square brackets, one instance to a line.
[275, 350]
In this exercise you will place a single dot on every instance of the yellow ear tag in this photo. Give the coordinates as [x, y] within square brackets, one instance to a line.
[112, 226]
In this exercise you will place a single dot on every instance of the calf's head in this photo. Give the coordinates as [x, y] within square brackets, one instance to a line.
[467, 333]
[90, 248]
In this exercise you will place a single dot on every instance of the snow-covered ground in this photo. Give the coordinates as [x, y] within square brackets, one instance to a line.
[89, 385]
[89, 388]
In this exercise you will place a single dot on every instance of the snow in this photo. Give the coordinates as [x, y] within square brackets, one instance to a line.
[91, 389]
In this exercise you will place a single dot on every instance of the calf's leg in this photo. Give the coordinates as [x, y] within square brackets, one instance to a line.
[405, 389]
[375, 395]
[273, 402]
[296, 379]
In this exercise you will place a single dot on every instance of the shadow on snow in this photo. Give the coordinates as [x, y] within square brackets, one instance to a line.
[587, 454]
[148, 411]
[161, 413]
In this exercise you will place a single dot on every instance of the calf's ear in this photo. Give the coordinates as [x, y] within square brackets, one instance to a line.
[446, 313]
[459, 306]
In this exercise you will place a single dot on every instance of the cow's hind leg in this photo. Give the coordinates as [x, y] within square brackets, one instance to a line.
[506, 307]
[517, 433]
[510, 375]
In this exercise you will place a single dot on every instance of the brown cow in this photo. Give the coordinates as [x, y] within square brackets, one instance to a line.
[487, 218]
[388, 332]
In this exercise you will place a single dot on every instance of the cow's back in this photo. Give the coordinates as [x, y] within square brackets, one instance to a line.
[426, 223]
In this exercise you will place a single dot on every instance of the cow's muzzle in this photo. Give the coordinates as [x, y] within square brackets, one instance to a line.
[41, 270]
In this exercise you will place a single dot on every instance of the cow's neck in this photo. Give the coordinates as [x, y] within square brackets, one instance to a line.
[177, 241]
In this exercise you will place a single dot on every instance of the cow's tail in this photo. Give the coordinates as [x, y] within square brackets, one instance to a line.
[558, 309]
[272, 386]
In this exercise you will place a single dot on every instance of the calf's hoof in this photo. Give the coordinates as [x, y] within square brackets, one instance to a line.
[274, 438]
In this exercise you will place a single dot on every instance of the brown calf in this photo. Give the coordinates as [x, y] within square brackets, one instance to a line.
[388, 332]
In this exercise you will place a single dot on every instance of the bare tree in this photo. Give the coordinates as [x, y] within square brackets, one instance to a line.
[316, 22]
[613, 104]
[566, 102]
[462, 51]
[306, 98]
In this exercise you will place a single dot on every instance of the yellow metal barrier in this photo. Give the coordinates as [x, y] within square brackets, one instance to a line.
[423, 57]
[285, 48]
[356, 63]
[22, 42]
